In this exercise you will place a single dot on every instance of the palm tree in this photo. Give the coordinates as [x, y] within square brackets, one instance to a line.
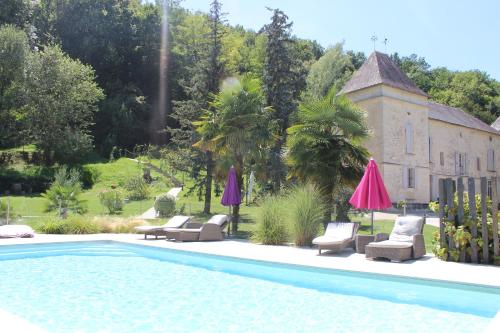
[237, 127]
[324, 145]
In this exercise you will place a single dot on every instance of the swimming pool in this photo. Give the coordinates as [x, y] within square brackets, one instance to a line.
[117, 287]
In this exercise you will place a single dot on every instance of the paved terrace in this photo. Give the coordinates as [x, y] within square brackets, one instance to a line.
[427, 267]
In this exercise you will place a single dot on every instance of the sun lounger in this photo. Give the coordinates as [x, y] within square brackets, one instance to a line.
[212, 230]
[16, 231]
[174, 223]
[337, 237]
[405, 242]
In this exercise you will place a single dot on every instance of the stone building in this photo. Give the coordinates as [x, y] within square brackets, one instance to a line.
[414, 140]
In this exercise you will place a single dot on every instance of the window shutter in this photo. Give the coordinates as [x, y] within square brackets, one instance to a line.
[457, 163]
[405, 177]
[409, 138]
[490, 159]
[414, 171]
[430, 149]
[466, 164]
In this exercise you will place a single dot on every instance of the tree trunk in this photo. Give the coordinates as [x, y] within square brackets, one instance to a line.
[208, 183]
[329, 206]
[277, 167]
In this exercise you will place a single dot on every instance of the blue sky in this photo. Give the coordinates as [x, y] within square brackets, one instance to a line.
[458, 34]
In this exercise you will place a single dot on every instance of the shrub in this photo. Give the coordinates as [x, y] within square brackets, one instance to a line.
[89, 176]
[74, 147]
[112, 200]
[63, 194]
[165, 205]
[138, 188]
[53, 225]
[117, 224]
[271, 226]
[4, 209]
[307, 211]
[72, 225]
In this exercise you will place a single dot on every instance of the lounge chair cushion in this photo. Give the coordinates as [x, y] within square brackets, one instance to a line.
[218, 219]
[405, 227]
[16, 231]
[327, 240]
[391, 244]
[339, 230]
[174, 223]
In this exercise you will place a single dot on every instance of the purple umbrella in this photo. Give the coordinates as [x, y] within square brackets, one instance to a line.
[231, 196]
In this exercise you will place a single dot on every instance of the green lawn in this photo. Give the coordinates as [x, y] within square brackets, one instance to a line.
[115, 173]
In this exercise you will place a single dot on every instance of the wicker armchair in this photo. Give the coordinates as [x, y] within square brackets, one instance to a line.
[405, 242]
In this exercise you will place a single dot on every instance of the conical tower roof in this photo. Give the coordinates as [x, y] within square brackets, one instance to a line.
[380, 69]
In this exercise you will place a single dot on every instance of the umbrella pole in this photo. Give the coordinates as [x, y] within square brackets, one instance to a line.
[372, 221]
[230, 221]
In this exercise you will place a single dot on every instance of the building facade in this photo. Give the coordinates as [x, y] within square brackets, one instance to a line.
[414, 140]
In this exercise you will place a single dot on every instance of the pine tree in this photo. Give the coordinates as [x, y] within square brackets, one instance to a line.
[283, 81]
[203, 80]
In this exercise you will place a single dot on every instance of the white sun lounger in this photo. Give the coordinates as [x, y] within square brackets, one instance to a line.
[338, 236]
[174, 223]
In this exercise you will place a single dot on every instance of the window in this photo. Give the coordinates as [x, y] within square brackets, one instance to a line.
[490, 165]
[441, 158]
[409, 177]
[409, 138]
[490, 191]
[478, 162]
[460, 163]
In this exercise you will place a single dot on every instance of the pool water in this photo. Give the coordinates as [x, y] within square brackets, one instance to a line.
[117, 287]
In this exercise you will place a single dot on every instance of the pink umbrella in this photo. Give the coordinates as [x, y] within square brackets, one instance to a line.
[371, 192]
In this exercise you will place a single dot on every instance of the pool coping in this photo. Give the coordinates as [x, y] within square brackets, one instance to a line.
[426, 268]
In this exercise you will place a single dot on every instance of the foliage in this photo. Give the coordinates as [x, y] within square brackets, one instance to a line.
[13, 52]
[64, 193]
[89, 175]
[271, 222]
[283, 82]
[307, 208]
[332, 70]
[118, 225]
[165, 205]
[138, 188]
[341, 198]
[74, 224]
[324, 146]
[112, 200]
[473, 91]
[237, 128]
[74, 147]
[61, 99]
[461, 235]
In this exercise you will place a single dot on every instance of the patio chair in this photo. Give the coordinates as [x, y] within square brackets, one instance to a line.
[174, 223]
[212, 230]
[405, 242]
[337, 237]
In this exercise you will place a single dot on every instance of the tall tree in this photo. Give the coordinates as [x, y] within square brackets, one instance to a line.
[281, 87]
[237, 128]
[14, 50]
[324, 146]
[204, 69]
[61, 98]
[333, 69]
[16, 12]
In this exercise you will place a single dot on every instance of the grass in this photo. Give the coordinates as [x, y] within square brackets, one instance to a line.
[25, 148]
[111, 174]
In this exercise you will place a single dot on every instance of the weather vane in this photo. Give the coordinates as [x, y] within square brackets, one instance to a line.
[374, 39]
[385, 43]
